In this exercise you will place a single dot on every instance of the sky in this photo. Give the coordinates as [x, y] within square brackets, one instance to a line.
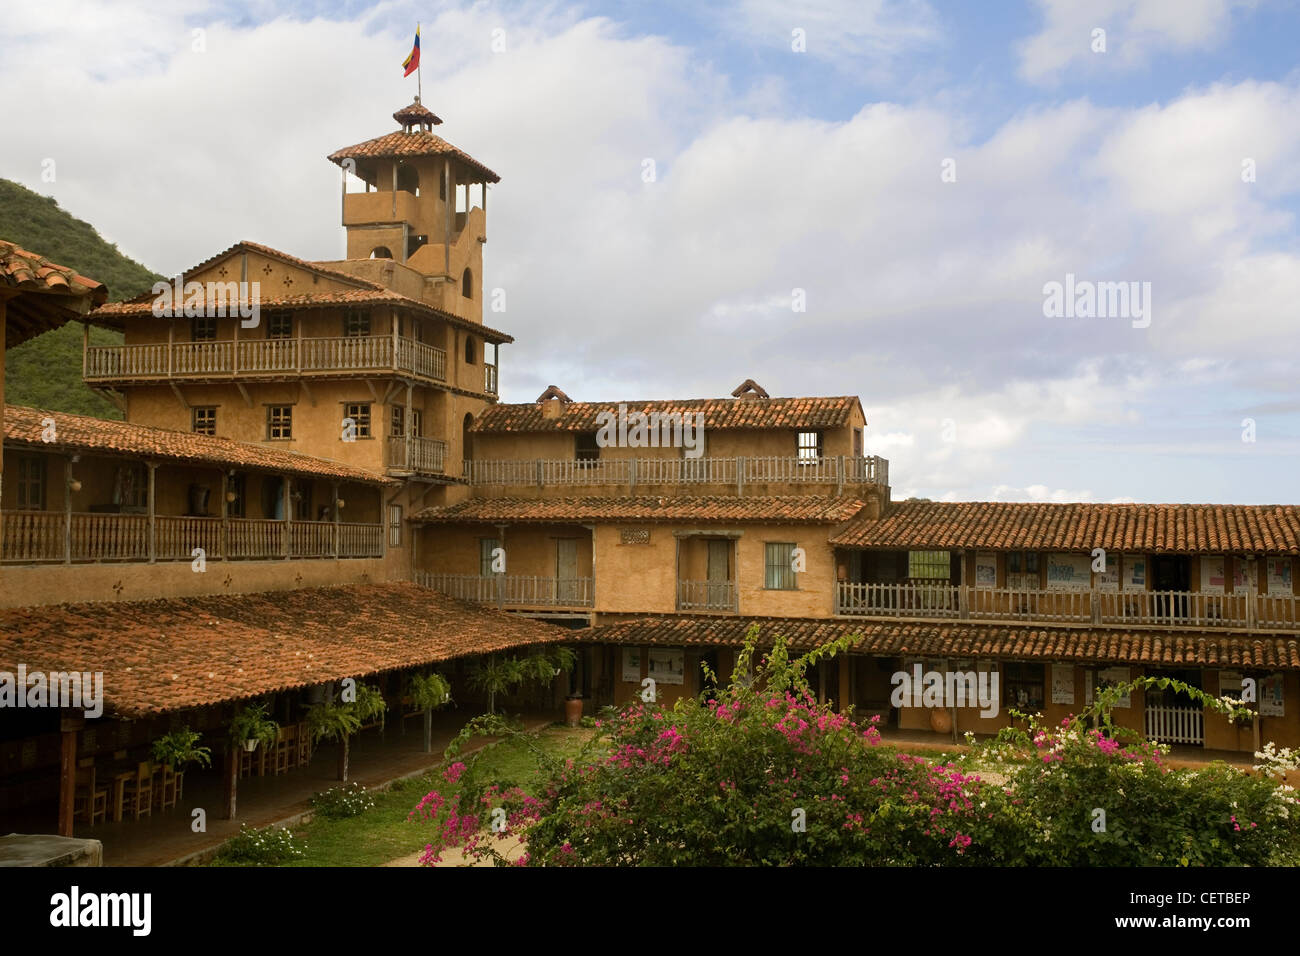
[850, 197]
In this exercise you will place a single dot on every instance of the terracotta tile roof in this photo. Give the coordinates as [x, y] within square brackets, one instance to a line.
[365, 293]
[166, 655]
[50, 294]
[420, 142]
[999, 525]
[718, 413]
[416, 113]
[1062, 644]
[775, 508]
[23, 426]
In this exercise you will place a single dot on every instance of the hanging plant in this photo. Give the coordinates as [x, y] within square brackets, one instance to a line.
[180, 747]
[251, 725]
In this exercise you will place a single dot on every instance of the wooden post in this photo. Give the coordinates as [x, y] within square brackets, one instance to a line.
[428, 730]
[171, 334]
[288, 506]
[740, 475]
[393, 314]
[225, 518]
[67, 510]
[343, 758]
[69, 726]
[408, 419]
[845, 684]
[153, 522]
[231, 783]
[334, 509]
[85, 347]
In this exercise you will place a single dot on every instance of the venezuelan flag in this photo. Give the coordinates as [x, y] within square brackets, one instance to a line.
[413, 61]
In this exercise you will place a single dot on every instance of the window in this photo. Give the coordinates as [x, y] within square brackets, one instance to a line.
[235, 486]
[1024, 686]
[356, 322]
[31, 484]
[585, 447]
[1022, 569]
[279, 422]
[778, 566]
[381, 252]
[203, 420]
[485, 548]
[810, 446]
[471, 353]
[929, 565]
[300, 497]
[279, 325]
[417, 422]
[857, 443]
[395, 526]
[203, 328]
[467, 284]
[359, 412]
[131, 487]
[397, 424]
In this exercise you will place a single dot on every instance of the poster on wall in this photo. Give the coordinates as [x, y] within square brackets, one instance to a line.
[1069, 572]
[1212, 576]
[1062, 683]
[1134, 572]
[632, 665]
[1243, 575]
[1230, 684]
[668, 666]
[1270, 696]
[1115, 675]
[1108, 580]
[1279, 576]
[986, 570]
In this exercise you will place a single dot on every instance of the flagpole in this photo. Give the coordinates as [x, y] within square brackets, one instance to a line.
[419, 79]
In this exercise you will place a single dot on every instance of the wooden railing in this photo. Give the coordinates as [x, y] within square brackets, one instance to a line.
[490, 379]
[422, 455]
[706, 596]
[673, 469]
[265, 357]
[1175, 609]
[31, 537]
[511, 590]
[1175, 723]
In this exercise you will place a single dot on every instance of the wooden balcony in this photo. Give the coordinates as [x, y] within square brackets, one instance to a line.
[259, 358]
[1093, 608]
[707, 596]
[36, 537]
[672, 470]
[512, 590]
[418, 456]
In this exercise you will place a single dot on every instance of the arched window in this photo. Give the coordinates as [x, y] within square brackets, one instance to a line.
[408, 180]
[467, 284]
[470, 351]
[381, 252]
[466, 440]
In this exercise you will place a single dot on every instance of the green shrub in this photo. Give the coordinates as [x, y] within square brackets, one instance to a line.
[338, 803]
[266, 847]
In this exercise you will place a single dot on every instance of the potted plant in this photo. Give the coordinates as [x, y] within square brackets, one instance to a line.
[428, 691]
[251, 726]
[330, 720]
[179, 747]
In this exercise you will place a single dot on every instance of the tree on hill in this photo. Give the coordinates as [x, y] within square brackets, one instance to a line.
[46, 372]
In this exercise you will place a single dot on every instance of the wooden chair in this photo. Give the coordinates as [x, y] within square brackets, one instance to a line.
[139, 791]
[164, 787]
[286, 749]
[89, 803]
[304, 745]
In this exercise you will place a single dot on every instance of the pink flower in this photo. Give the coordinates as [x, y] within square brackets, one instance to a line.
[452, 773]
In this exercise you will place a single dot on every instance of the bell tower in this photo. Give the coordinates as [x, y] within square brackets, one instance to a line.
[412, 197]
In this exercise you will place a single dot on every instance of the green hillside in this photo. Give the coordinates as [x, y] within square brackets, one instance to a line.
[46, 372]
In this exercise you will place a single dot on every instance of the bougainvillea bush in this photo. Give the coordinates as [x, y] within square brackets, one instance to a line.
[760, 774]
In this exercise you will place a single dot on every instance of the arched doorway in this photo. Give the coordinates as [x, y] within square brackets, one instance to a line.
[466, 443]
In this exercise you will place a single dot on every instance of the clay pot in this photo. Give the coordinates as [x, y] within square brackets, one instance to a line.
[573, 711]
[941, 721]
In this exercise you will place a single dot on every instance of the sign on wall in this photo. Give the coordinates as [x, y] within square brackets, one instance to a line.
[1134, 572]
[1270, 696]
[1062, 683]
[632, 665]
[1279, 576]
[1243, 576]
[1069, 572]
[986, 570]
[667, 665]
[1230, 684]
[1108, 580]
[1212, 574]
[1115, 675]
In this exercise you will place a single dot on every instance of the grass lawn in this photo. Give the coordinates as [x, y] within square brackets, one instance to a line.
[383, 833]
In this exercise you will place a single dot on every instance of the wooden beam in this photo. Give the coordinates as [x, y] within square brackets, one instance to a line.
[180, 397]
[69, 726]
[109, 395]
[304, 387]
[248, 399]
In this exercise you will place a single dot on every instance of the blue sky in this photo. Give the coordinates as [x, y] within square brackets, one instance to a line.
[776, 171]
